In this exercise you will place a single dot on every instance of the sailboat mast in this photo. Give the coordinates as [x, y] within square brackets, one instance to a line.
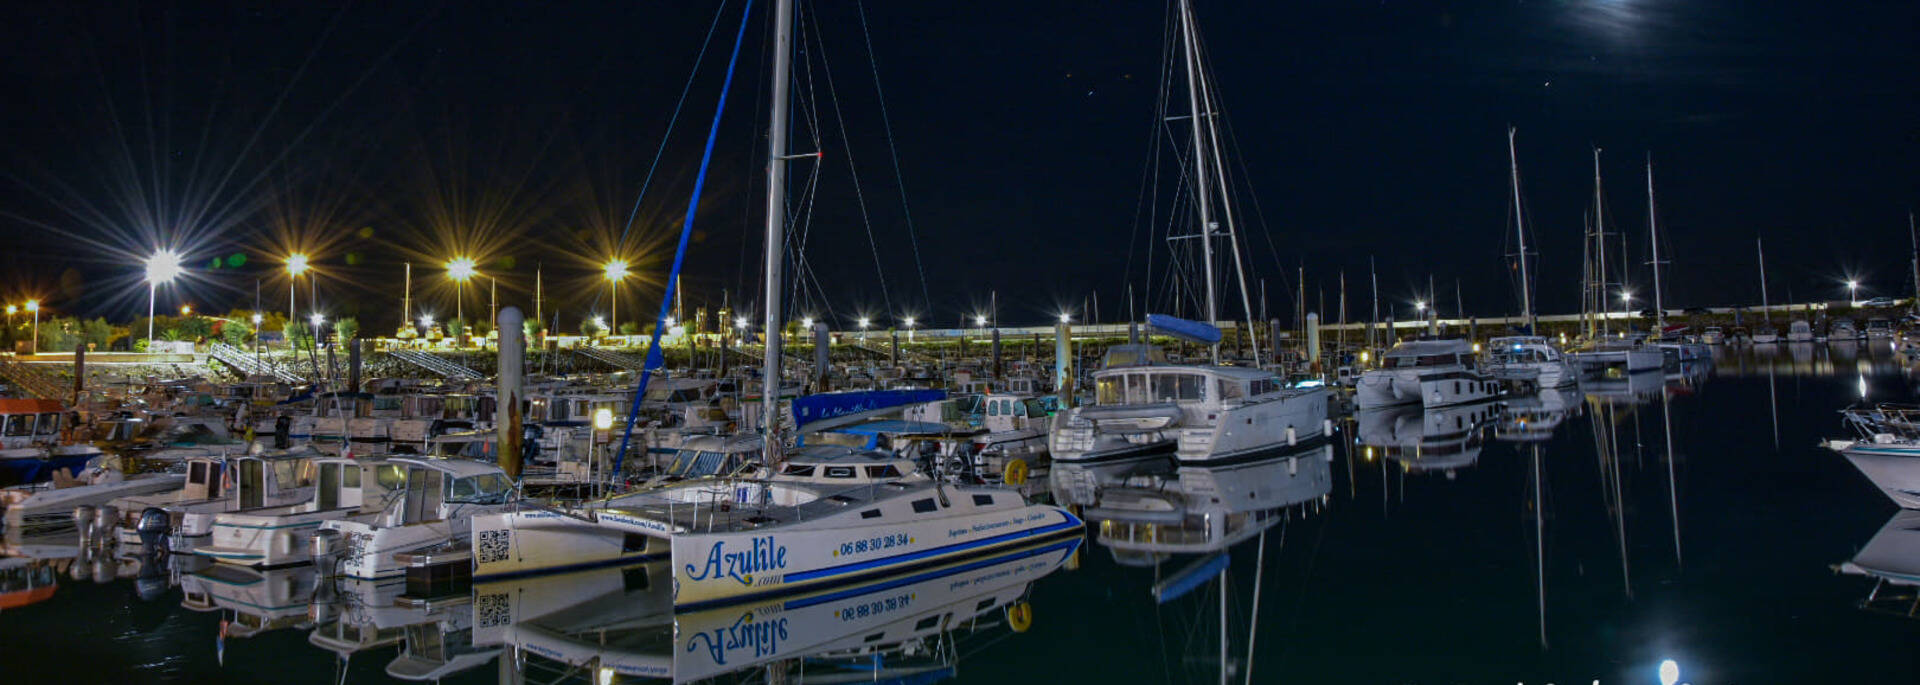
[1520, 229]
[1653, 236]
[1600, 248]
[776, 230]
[1760, 247]
[1202, 187]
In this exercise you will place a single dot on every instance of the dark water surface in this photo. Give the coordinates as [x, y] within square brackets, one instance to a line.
[1447, 568]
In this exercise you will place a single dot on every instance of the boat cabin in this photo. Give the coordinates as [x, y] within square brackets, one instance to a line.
[1422, 354]
[1007, 412]
[835, 465]
[1521, 349]
[25, 423]
[707, 456]
[435, 488]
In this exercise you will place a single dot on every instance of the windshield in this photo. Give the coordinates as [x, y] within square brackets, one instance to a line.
[486, 488]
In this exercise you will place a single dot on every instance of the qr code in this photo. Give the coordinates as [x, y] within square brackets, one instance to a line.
[492, 611]
[493, 546]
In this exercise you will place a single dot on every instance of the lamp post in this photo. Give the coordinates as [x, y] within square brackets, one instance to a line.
[460, 269]
[616, 269]
[297, 264]
[1853, 296]
[34, 307]
[864, 322]
[1626, 310]
[162, 267]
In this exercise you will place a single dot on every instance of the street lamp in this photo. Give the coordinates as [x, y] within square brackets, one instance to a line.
[1066, 318]
[297, 263]
[979, 320]
[615, 270]
[186, 310]
[909, 322]
[864, 322]
[460, 269]
[1626, 309]
[34, 306]
[162, 267]
[1853, 296]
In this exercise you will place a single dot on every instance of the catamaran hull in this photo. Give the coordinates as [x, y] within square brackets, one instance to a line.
[716, 569]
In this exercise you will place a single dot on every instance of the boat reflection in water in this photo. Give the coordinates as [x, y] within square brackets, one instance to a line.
[1635, 388]
[1534, 418]
[1442, 439]
[1206, 508]
[1892, 560]
[904, 628]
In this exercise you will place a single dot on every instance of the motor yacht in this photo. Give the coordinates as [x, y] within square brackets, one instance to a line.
[1431, 373]
[1529, 357]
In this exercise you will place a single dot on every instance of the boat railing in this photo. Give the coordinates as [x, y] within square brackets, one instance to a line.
[1901, 421]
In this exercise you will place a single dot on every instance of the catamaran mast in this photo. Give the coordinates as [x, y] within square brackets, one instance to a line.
[1915, 237]
[1653, 235]
[1520, 229]
[1201, 186]
[776, 230]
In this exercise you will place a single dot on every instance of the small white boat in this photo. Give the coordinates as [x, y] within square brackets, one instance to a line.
[214, 486]
[1530, 357]
[1617, 357]
[1431, 373]
[442, 496]
[49, 507]
[1765, 335]
[277, 536]
[1799, 330]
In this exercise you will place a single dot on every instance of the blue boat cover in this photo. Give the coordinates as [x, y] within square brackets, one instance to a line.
[833, 405]
[1190, 331]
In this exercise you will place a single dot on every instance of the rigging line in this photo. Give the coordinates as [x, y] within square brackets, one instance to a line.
[654, 356]
[1150, 176]
[859, 195]
[899, 179]
[647, 181]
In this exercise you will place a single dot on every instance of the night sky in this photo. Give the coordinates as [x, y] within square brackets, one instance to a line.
[520, 134]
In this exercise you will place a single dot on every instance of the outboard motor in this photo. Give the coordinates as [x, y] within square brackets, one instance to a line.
[83, 522]
[103, 525]
[326, 550]
[153, 527]
[282, 432]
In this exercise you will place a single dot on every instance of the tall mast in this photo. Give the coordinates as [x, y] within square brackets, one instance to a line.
[1760, 247]
[1226, 203]
[1653, 235]
[1373, 274]
[1520, 229]
[1600, 248]
[406, 299]
[776, 229]
[1201, 186]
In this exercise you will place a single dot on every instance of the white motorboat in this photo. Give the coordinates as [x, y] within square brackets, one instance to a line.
[268, 479]
[1431, 373]
[441, 498]
[1799, 331]
[1765, 335]
[281, 535]
[34, 442]
[1614, 357]
[1530, 357]
[1892, 464]
[1203, 413]
[49, 507]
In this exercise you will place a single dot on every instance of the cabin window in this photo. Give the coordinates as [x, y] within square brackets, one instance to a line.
[1173, 387]
[390, 476]
[350, 477]
[486, 488]
[634, 542]
[983, 500]
[293, 473]
[883, 472]
[993, 409]
[1019, 408]
[925, 506]
[1232, 390]
[983, 605]
[197, 473]
[19, 425]
[870, 514]
[840, 472]
[49, 424]
[927, 622]
[802, 470]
